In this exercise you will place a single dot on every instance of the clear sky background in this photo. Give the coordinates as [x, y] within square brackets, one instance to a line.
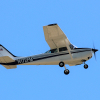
[21, 32]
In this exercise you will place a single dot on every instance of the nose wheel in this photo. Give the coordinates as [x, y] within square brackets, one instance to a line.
[66, 71]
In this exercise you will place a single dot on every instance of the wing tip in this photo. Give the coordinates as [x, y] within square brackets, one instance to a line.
[52, 24]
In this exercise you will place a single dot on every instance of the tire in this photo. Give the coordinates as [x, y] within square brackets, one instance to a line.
[66, 71]
[85, 66]
[61, 64]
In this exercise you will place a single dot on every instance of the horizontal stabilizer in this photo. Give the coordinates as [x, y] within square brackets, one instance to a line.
[10, 66]
[6, 59]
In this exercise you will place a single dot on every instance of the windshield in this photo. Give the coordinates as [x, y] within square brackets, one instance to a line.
[52, 51]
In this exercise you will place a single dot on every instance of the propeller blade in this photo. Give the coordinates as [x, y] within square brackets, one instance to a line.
[93, 46]
[95, 56]
[94, 50]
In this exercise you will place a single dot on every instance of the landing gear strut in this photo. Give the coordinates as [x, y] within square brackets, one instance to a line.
[66, 71]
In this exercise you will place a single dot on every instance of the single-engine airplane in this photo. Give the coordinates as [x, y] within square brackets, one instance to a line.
[62, 52]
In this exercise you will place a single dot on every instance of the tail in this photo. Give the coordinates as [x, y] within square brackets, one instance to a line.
[6, 57]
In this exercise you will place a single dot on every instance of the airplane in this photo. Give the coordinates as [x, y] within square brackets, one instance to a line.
[61, 52]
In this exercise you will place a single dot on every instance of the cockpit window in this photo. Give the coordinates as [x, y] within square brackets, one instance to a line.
[52, 51]
[62, 49]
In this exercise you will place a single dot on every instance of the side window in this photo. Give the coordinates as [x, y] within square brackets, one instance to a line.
[62, 49]
[56, 50]
[53, 50]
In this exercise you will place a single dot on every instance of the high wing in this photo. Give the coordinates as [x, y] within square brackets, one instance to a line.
[55, 37]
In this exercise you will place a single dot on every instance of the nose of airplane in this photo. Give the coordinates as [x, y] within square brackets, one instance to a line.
[94, 50]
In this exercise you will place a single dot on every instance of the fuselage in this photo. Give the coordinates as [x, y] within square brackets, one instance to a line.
[79, 55]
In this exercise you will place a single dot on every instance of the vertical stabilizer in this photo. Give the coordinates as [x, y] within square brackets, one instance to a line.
[5, 52]
[6, 57]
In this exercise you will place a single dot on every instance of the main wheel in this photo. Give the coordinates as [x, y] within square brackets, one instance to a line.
[61, 64]
[85, 66]
[66, 71]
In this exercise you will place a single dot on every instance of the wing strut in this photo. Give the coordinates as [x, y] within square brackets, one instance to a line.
[68, 49]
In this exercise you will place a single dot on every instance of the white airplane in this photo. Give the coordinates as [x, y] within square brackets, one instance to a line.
[62, 52]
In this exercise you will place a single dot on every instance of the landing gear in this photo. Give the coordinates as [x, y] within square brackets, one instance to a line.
[66, 71]
[85, 66]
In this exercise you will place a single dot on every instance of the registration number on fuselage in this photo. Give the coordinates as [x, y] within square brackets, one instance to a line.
[25, 60]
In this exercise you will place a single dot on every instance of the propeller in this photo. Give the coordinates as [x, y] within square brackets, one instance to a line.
[94, 50]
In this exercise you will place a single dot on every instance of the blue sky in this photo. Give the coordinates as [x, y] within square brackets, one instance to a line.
[21, 32]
